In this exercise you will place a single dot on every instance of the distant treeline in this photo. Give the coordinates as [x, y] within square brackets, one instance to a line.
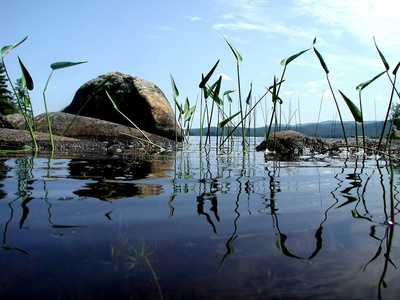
[327, 129]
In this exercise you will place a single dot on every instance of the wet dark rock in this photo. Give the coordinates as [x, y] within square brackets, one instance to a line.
[289, 143]
[140, 100]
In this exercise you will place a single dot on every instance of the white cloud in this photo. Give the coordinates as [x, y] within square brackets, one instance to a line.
[224, 76]
[361, 19]
[313, 83]
[312, 90]
[193, 18]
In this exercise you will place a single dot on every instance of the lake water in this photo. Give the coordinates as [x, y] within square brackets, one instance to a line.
[191, 224]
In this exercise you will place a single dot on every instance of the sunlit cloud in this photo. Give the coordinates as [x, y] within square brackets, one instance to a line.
[224, 76]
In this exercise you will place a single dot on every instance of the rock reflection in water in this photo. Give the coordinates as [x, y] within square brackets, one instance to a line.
[112, 178]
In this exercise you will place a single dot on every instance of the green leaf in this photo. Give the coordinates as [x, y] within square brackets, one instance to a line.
[188, 116]
[395, 69]
[321, 60]
[288, 60]
[8, 48]
[363, 85]
[175, 92]
[227, 120]
[249, 95]
[235, 52]
[205, 79]
[353, 109]
[214, 89]
[226, 93]
[26, 77]
[65, 64]
[382, 57]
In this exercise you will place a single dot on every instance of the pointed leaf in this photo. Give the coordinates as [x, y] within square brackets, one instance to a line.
[321, 60]
[353, 108]
[217, 99]
[226, 93]
[205, 79]
[215, 87]
[235, 52]
[395, 69]
[187, 105]
[288, 60]
[363, 85]
[249, 95]
[382, 57]
[8, 48]
[227, 120]
[218, 87]
[175, 92]
[65, 64]
[26, 77]
[189, 113]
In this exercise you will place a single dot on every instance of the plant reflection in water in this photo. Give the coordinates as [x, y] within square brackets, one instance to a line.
[244, 204]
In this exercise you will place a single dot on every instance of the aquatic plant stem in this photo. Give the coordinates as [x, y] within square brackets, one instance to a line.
[154, 276]
[337, 108]
[46, 111]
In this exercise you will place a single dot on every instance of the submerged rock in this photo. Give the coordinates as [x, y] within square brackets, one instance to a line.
[140, 100]
[289, 143]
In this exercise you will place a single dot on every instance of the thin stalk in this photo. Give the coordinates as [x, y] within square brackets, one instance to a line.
[130, 121]
[337, 108]
[47, 113]
[388, 110]
[230, 133]
[241, 107]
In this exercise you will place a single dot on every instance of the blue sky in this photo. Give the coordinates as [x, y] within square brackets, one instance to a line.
[153, 38]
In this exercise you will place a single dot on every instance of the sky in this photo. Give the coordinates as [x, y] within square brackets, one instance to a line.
[152, 39]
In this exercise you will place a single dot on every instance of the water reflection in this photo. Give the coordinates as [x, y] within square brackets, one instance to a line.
[265, 229]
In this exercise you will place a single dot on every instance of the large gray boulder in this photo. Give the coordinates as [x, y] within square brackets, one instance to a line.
[140, 100]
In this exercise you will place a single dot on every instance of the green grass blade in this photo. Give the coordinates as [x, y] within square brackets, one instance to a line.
[175, 92]
[321, 60]
[26, 77]
[208, 76]
[353, 108]
[8, 48]
[227, 120]
[235, 52]
[288, 60]
[363, 85]
[65, 64]
[382, 57]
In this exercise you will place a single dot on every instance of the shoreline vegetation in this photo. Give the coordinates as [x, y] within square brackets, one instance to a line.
[215, 107]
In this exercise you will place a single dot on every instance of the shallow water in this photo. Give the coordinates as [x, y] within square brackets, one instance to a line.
[192, 225]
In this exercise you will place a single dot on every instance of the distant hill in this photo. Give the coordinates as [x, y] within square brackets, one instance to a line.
[326, 129]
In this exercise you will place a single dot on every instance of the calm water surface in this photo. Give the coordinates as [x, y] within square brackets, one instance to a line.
[192, 225]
